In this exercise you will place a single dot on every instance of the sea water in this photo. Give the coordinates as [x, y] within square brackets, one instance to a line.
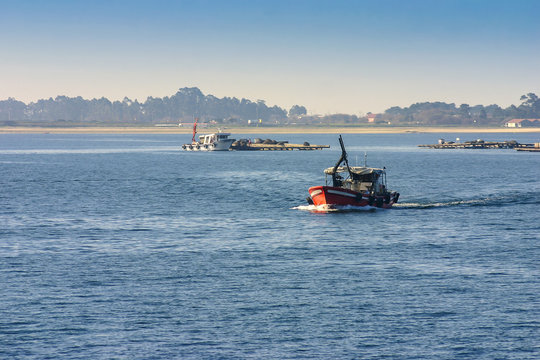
[126, 247]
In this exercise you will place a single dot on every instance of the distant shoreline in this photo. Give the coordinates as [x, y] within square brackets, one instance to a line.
[258, 130]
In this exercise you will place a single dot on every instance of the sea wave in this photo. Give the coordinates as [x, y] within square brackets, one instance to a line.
[88, 151]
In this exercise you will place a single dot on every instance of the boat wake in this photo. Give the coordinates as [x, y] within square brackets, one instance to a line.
[420, 205]
[508, 200]
[525, 198]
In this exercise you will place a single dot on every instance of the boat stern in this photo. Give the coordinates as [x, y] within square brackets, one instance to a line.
[317, 195]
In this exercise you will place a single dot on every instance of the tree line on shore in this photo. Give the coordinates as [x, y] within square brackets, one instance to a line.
[190, 103]
[440, 113]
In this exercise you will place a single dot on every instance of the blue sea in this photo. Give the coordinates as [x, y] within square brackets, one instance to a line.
[126, 247]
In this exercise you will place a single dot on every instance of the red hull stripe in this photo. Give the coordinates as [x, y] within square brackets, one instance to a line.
[315, 192]
[341, 193]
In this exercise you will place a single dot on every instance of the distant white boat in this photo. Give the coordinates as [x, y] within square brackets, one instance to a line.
[212, 142]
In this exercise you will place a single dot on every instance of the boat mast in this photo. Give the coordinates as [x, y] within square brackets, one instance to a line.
[194, 129]
[343, 158]
[196, 116]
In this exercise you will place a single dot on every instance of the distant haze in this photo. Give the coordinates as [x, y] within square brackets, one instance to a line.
[330, 56]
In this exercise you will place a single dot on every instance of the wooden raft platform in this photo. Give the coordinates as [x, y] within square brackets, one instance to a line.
[478, 145]
[277, 147]
[534, 148]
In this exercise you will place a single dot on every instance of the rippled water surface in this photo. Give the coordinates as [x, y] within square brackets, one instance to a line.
[123, 246]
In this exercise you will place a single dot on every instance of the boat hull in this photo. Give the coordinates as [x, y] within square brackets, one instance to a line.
[338, 196]
[216, 146]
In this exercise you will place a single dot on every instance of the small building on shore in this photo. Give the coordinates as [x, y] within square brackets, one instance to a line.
[517, 123]
[371, 117]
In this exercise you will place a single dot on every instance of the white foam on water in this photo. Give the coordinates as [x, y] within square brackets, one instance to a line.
[406, 205]
[87, 151]
[334, 208]
[417, 205]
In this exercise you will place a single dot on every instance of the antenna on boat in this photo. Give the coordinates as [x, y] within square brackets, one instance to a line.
[194, 129]
[365, 159]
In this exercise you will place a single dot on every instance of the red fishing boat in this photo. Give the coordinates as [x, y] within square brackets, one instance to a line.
[357, 186]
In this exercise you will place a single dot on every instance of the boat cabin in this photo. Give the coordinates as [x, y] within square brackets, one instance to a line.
[360, 179]
[213, 138]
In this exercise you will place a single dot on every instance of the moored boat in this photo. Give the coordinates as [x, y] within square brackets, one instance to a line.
[357, 186]
[211, 142]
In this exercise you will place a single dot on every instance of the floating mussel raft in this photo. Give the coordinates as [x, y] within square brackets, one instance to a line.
[478, 144]
[272, 145]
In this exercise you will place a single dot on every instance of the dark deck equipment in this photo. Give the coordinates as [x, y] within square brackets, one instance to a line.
[277, 147]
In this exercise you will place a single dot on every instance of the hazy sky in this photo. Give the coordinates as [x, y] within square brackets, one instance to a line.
[330, 56]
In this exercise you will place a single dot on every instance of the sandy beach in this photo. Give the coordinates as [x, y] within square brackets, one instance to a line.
[259, 130]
